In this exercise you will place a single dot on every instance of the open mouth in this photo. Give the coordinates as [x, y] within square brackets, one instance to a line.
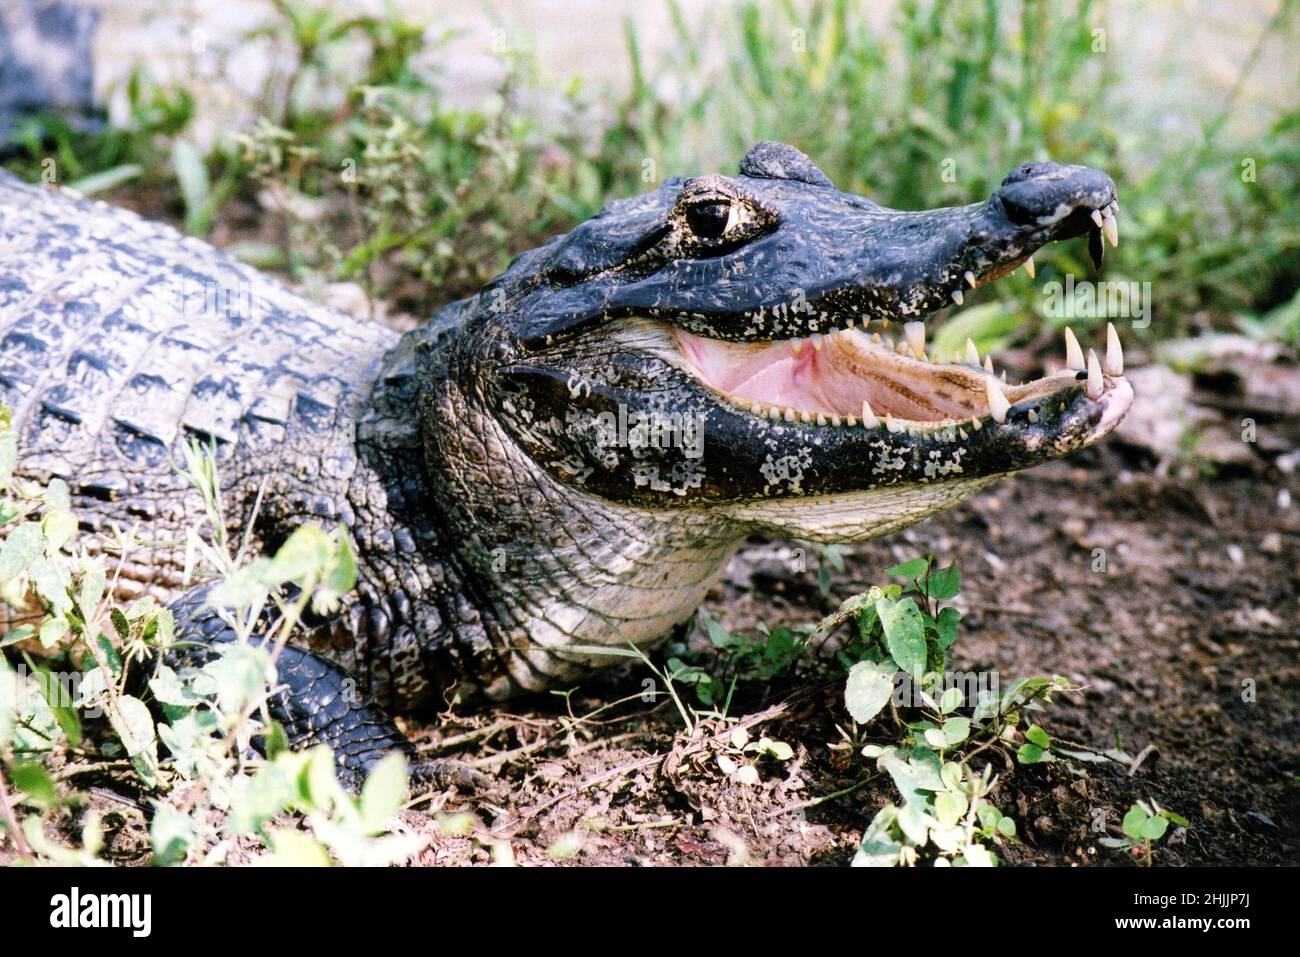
[854, 379]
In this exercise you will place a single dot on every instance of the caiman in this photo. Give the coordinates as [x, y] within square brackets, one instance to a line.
[561, 463]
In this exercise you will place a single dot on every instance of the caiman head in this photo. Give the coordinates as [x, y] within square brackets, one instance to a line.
[720, 354]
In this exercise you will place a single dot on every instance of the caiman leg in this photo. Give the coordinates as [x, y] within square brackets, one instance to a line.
[317, 703]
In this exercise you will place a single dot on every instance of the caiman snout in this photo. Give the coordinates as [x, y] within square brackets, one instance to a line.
[1039, 194]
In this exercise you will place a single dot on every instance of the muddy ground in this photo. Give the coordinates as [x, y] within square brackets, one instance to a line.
[1196, 611]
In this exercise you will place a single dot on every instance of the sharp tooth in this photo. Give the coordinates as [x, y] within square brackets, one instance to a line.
[1096, 217]
[1110, 227]
[835, 419]
[1032, 416]
[884, 323]
[972, 354]
[796, 345]
[975, 423]
[998, 403]
[1114, 364]
[816, 340]
[956, 356]
[957, 297]
[805, 417]
[988, 363]
[821, 419]
[903, 349]
[915, 332]
[773, 412]
[969, 277]
[891, 425]
[850, 422]
[868, 417]
[789, 414]
[1004, 375]
[1073, 353]
[1029, 266]
[1095, 382]
[850, 322]
[1096, 247]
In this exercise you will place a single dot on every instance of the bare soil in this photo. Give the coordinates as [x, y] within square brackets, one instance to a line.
[1186, 645]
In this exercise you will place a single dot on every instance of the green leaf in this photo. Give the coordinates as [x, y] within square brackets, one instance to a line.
[977, 855]
[343, 570]
[383, 794]
[238, 676]
[1134, 822]
[51, 583]
[945, 582]
[58, 696]
[914, 568]
[35, 782]
[1154, 829]
[55, 496]
[19, 549]
[868, 689]
[168, 689]
[134, 725]
[170, 832]
[1038, 736]
[9, 690]
[53, 631]
[106, 179]
[305, 553]
[950, 775]
[904, 777]
[949, 806]
[196, 187]
[276, 740]
[19, 633]
[60, 527]
[946, 627]
[1030, 754]
[1007, 827]
[914, 822]
[950, 700]
[92, 588]
[956, 730]
[879, 848]
[904, 629]
[295, 849]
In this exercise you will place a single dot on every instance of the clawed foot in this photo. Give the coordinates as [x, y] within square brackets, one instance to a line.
[433, 774]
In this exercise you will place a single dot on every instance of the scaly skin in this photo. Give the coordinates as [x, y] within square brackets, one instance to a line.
[509, 519]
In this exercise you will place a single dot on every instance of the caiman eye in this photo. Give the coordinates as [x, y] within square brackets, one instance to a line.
[710, 220]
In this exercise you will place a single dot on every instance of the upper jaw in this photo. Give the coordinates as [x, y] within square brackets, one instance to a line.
[835, 260]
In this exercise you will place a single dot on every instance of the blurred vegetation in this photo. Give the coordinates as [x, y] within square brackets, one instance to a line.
[359, 169]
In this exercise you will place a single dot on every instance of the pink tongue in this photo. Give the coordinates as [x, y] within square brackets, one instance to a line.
[772, 373]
